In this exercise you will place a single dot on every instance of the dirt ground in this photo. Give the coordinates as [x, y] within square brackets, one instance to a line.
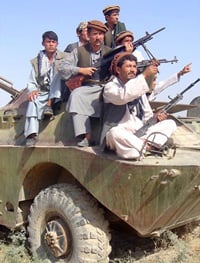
[182, 245]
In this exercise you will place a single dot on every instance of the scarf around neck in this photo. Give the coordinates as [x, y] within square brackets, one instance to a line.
[45, 69]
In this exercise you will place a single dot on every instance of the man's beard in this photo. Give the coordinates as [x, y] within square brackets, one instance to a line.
[131, 76]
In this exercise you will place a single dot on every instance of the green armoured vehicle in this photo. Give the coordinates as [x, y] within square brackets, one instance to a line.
[71, 198]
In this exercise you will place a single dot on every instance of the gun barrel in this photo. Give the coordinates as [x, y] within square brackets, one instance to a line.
[145, 63]
[175, 60]
[190, 86]
[8, 87]
[146, 38]
[140, 132]
[161, 29]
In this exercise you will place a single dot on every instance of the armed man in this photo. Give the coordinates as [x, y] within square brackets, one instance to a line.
[126, 109]
[126, 38]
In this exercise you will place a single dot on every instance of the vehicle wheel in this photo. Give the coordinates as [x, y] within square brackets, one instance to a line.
[66, 225]
[195, 112]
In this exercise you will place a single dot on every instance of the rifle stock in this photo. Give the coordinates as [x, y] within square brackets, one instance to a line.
[102, 66]
[76, 81]
[140, 132]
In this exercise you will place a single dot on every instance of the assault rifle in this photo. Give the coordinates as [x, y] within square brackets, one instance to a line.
[144, 63]
[153, 120]
[77, 80]
[141, 41]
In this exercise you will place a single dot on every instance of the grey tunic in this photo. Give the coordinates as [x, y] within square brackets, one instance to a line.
[35, 108]
[83, 101]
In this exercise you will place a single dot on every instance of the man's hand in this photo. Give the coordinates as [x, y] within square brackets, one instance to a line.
[185, 70]
[129, 47]
[149, 73]
[33, 95]
[155, 62]
[161, 115]
[87, 71]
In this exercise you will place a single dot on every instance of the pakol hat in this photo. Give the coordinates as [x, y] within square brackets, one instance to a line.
[81, 26]
[119, 37]
[96, 24]
[116, 60]
[109, 8]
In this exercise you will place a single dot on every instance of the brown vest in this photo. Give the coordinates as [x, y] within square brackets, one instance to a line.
[84, 55]
[60, 55]
[84, 60]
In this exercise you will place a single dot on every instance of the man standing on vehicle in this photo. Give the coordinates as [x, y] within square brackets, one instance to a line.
[113, 24]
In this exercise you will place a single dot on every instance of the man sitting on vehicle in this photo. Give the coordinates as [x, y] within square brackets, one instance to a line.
[83, 61]
[41, 93]
[126, 109]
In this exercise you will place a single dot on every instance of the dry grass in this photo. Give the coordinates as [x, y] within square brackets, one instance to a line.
[182, 246]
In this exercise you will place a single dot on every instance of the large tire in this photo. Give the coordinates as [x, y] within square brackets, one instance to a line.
[66, 225]
[195, 112]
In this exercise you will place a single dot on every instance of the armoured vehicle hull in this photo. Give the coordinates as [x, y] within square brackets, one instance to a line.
[71, 197]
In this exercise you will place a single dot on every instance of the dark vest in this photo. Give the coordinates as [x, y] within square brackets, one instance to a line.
[111, 115]
[84, 55]
[59, 56]
[84, 58]
[109, 38]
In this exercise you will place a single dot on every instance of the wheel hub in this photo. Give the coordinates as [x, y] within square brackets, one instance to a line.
[57, 238]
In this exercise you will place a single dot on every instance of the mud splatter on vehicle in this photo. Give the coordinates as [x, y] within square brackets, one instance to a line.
[72, 198]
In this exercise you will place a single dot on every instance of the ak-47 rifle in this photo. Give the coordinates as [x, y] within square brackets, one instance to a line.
[77, 80]
[153, 120]
[144, 63]
[102, 67]
[141, 42]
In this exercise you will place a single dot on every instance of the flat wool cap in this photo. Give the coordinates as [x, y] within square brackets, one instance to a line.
[119, 37]
[81, 26]
[110, 8]
[116, 59]
[96, 24]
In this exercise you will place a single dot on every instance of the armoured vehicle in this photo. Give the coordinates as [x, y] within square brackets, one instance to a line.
[72, 198]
